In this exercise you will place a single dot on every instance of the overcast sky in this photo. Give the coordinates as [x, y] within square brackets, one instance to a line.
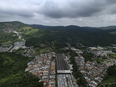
[95, 13]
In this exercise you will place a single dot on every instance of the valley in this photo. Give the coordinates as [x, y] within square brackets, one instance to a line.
[57, 56]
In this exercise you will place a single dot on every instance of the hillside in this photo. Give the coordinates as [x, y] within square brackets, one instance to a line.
[59, 35]
[86, 38]
[11, 25]
[109, 28]
[73, 35]
[12, 73]
[7, 38]
[7, 35]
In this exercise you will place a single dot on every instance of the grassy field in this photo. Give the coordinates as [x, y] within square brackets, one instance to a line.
[113, 55]
[109, 79]
[40, 50]
[6, 43]
[27, 30]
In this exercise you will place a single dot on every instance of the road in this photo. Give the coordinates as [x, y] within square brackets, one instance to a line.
[49, 73]
[17, 34]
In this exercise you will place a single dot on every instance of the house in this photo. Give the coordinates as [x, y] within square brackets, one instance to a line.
[92, 48]
[27, 69]
[44, 78]
[52, 83]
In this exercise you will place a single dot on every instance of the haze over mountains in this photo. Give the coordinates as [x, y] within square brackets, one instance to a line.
[72, 34]
[45, 38]
[70, 28]
[74, 28]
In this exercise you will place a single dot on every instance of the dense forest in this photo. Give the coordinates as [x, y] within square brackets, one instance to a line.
[59, 35]
[110, 78]
[12, 67]
[89, 36]
[62, 37]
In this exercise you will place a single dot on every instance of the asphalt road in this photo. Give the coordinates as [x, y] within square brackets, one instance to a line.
[49, 73]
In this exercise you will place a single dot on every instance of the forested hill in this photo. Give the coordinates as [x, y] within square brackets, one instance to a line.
[71, 28]
[59, 35]
[12, 73]
[13, 24]
[109, 28]
[89, 36]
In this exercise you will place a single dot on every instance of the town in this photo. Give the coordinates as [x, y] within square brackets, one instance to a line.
[55, 69]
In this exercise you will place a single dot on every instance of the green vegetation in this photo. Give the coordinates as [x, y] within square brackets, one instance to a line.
[7, 38]
[12, 73]
[53, 58]
[86, 35]
[80, 79]
[27, 30]
[99, 60]
[110, 78]
[112, 71]
[88, 56]
[20, 51]
[114, 50]
[55, 40]
[56, 84]
[59, 35]
[12, 25]
[40, 50]
[58, 39]
[112, 55]
[6, 43]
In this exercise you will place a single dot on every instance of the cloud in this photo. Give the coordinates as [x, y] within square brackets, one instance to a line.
[56, 8]
[59, 12]
[111, 1]
[71, 8]
[15, 8]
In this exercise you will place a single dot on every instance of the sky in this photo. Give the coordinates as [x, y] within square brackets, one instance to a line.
[94, 13]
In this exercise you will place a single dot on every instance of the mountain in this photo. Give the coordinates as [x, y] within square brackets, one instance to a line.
[59, 35]
[15, 24]
[7, 35]
[109, 28]
[10, 26]
[71, 28]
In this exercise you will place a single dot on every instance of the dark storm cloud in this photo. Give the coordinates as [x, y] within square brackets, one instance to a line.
[57, 8]
[63, 12]
[55, 12]
[113, 11]
[23, 13]
[111, 1]
[74, 8]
